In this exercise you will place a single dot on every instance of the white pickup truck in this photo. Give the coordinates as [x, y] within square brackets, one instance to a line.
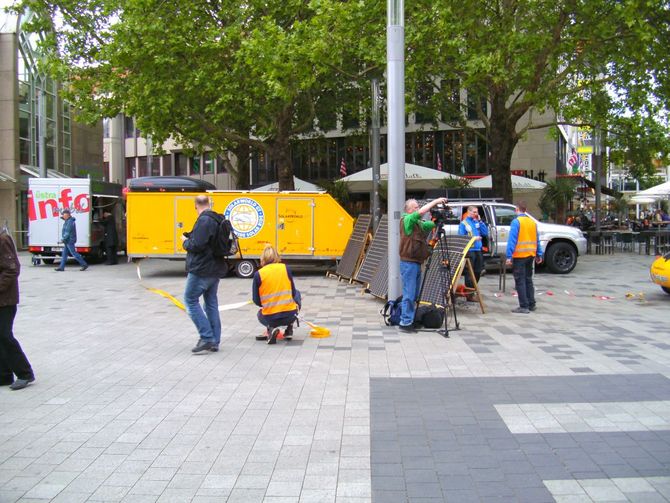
[561, 244]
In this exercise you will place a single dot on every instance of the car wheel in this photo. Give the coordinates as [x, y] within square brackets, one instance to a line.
[561, 258]
[666, 289]
[245, 268]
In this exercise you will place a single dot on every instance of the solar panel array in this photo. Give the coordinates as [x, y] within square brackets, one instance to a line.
[354, 249]
[436, 276]
[376, 253]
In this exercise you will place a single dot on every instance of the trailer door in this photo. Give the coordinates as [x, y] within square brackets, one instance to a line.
[184, 219]
[295, 226]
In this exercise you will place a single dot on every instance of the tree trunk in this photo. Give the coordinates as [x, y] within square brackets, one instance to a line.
[502, 140]
[280, 151]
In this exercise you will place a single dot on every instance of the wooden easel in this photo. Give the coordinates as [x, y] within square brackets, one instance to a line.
[475, 289]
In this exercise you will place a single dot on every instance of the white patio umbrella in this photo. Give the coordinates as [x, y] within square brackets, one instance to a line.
[637, 199]
[518, 182]
[416, 178]
[660, 190]
[300, 185]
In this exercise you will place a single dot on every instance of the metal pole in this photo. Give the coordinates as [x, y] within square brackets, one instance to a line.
[598, 158]
[42, 131]
[374, 151]
[150, 155]
[395, 74]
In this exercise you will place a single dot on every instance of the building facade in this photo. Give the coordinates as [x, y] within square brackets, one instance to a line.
[38, 131]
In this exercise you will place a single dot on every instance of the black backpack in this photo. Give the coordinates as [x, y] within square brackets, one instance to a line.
[224, 243]
[430, 316]
[391, 312]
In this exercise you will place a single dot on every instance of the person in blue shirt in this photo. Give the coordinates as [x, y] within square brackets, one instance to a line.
[523, 248]
[472, 226]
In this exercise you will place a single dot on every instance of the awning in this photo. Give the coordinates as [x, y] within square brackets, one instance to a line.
[51, 173]
[4, 177]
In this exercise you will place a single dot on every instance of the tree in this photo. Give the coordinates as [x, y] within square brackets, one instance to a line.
[556, 197]
[587, 62]
[225, 75]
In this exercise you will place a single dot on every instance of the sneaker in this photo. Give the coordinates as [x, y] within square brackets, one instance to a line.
[263, 337]
[21, 383]
[532, 308]
[272, 339]
[203, 346]
[521, 310]
[84, 267]
[214, 348]
[288, 333]
[58, 269]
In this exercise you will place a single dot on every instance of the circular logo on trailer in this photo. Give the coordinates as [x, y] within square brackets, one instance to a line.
[246, 216]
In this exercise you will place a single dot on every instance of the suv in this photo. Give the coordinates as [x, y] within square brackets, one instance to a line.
[562, 244]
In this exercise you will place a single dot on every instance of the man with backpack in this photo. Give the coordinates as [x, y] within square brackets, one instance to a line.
[204, 270]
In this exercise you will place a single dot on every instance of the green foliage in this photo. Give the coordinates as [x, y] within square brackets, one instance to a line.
[455, 183]
[556, 196]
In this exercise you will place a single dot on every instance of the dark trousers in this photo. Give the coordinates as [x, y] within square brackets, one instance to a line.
[277, 320]
[110, 253]
[522, 269]
[477, 259]
[13, 361]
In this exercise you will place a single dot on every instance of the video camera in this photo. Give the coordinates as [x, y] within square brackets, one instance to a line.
[440, 214]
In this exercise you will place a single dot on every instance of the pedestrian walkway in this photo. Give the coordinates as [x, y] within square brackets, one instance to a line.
[570, 403]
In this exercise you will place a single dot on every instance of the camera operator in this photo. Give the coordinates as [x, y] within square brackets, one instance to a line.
[472, 226]
[414, 250]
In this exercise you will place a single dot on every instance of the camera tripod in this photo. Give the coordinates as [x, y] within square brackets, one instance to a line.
[439, 258]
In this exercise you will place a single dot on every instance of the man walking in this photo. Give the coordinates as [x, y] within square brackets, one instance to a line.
[13, 361]
[472, 226]
[204, 271]
[523, 247]
[69, 238]
[414, 250]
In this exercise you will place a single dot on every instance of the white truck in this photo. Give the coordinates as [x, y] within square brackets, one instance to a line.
[561, 244]
[86, 199]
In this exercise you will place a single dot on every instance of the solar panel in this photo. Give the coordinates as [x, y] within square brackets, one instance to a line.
[379, 285]
[355, 247]
[447, 259]
[376, 253]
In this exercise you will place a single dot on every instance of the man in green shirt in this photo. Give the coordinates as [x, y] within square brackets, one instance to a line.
[414, 250]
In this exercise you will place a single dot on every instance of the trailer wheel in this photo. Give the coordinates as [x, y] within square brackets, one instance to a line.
[48, 261]
[245, 268]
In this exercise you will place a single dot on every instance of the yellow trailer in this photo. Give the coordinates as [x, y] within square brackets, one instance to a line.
[305, 226]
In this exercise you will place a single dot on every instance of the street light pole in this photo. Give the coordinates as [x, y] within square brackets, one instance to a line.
[374, 150]
[395, 74]
[598, 161]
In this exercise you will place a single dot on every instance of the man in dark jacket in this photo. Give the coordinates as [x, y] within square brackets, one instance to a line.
[204, 271]
[111, 238]
[69, 238]
[13, 361]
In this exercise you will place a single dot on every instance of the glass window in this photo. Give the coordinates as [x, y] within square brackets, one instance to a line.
[129, 127]
[131, 171]
[209, 163]
[24, 151]
[195, 165]
[180, 165]
[167, 165]
[142, 166]
[504, 215]
[24, 124]
[221, 166]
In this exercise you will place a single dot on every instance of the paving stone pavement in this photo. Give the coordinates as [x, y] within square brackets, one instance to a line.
[570, 403]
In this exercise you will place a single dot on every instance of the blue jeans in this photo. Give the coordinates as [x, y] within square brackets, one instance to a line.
[208, 322]
[69, 249]
[410, 273]
[522, 269]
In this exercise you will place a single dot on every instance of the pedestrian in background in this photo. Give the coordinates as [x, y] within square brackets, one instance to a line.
[204, 271]
[523, 247]
[111, 238]
[13, 361]
[69, 238]
[472, 226]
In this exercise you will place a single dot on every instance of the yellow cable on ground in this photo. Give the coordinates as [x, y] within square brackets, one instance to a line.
[162, 293]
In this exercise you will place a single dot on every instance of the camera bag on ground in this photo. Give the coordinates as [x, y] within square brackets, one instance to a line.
[391, 312]
[430, 316]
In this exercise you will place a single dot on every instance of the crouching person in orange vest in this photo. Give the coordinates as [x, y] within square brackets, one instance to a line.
[275, 293]
[523, 247]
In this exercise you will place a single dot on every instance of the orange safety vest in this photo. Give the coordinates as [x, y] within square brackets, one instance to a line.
[275, 290]
[526, 245]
